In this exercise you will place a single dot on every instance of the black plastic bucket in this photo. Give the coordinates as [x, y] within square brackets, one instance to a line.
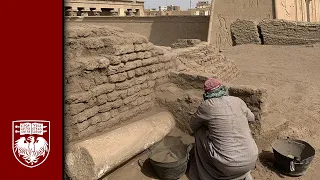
[174, 168]
[292, 156]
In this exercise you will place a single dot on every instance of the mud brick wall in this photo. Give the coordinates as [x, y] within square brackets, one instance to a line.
[275, 32]
[244, 32]
[282, 32]
[110, 77]
[160, 30]
[182, 100]
[205, 60]
[255, 98]
[225, 12]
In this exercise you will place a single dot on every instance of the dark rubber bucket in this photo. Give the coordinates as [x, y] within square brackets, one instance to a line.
[170, 160]
[292, 156]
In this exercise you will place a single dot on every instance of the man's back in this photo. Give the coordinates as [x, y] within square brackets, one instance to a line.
[229, 137]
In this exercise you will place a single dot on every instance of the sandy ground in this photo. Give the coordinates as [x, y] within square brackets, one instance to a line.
[291, 75]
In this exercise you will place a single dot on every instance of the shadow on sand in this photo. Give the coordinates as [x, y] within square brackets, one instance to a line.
[268, 161]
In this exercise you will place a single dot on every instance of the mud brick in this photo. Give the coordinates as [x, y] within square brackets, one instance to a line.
[141, 79]
[157, 75]
[131, 98]
[169, 65]
[82, 126]
[110, 105]
[124, 94]
[121, 49]
[137, 88]
[151, 84]
[94, 62]
[138, 101]
[114, 112]
[78, 97]
[102, 89]
[131, 74]
[133, 64]
[84, 115]
[102, 99]
[149, 98]
[139, 71]
[112, 40]
[73, 109]
[118, 77]
[165, 58]
[130, 65]
[85, 82]
[140, 55]
[145, 70]
[87, 132]
[128, 57]
[116, 94]
[115, 69]
[148, 61]
[156, 60]
[160, 66]
[134, 89]
[145, 92]
[147, 54]
[158, 50]
[123, 109]
[73, 87]
[139, 39]
[146, 106]
[89, 63]
[131, 91]
[73, 67]
[73, 49]
[134, 38]
[95, 119]
[138, 63]
[154, 53]
[125, 84]
[143, 47]
[161, 81]
[105, 116]
[92, 43]
[153, 68]
[144, 85]
[99, 77]
[114, 60]
[105, 107]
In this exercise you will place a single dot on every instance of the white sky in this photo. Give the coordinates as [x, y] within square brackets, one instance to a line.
[184, 4]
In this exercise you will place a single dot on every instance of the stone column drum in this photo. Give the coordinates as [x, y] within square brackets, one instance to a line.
[93, 158]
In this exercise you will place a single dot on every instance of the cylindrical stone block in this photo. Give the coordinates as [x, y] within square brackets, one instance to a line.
[93, 158]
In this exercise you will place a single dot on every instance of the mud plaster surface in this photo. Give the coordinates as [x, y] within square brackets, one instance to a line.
[292, 75]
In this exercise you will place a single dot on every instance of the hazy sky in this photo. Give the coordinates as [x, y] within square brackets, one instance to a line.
[184, 4]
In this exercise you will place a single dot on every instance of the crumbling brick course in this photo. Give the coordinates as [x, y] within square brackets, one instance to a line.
[111, 76]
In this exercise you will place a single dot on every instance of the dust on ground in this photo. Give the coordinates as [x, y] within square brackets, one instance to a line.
[292, 78]
[291, 75]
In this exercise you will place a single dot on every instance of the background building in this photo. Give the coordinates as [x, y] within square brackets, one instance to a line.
[203, 4]
[202, 9]
[151, 12]
[104, 8]
[173, 8]
[163, 8]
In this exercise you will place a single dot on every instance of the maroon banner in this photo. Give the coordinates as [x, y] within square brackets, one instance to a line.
[31, 90]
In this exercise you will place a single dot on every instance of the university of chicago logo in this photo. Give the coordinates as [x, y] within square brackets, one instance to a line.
[31, 141]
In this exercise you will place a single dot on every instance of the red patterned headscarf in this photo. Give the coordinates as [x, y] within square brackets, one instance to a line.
[210, 84]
